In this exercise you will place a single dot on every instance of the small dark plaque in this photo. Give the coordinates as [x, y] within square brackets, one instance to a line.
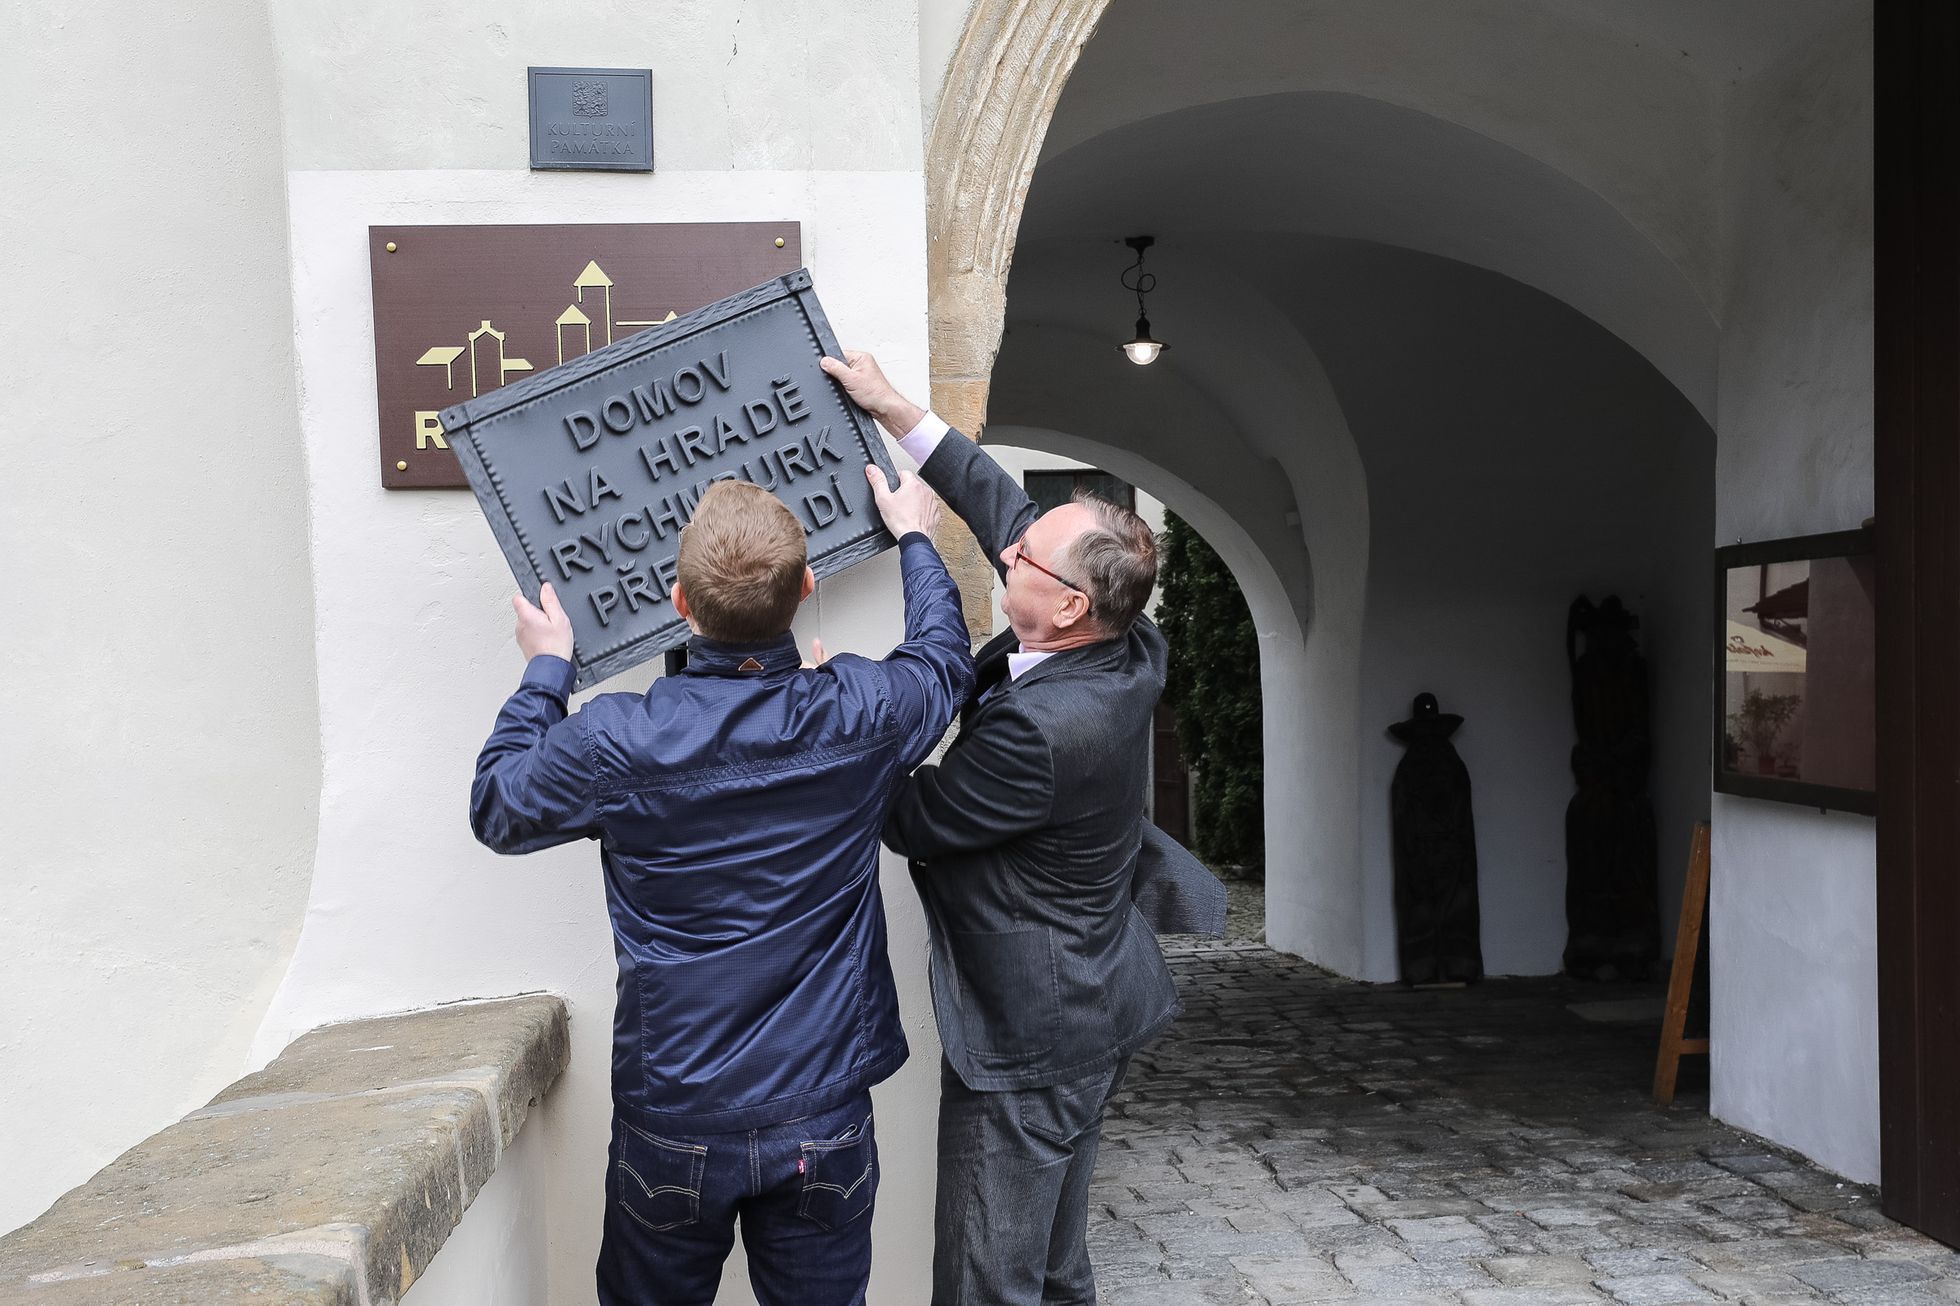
[458, 311]
[587, 472]
[592, 118]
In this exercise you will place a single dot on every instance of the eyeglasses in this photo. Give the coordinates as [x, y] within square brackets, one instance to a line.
[1021, 555]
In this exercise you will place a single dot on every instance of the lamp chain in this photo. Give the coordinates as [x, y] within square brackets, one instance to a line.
[1143, 283]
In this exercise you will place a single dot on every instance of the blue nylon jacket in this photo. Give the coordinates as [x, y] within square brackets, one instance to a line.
[737, 813]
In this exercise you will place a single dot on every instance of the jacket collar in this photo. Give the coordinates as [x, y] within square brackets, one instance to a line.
[711, 657]
[1072, 659]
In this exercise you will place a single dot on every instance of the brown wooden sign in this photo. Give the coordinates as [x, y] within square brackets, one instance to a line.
[461, 311]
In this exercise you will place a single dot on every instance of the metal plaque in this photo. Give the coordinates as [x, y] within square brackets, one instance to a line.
[587, 472]
[458, 311]
[592, 118]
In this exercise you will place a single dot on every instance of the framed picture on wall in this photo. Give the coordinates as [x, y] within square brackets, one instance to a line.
[1795, 647]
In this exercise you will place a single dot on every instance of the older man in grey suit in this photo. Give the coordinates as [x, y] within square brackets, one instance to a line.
[1024, 843]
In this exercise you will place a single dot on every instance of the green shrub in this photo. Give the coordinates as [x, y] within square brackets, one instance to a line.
[1214, 689]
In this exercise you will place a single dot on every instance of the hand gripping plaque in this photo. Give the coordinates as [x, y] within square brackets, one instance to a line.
[588, 471]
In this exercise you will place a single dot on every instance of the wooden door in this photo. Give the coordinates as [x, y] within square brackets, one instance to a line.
[1917, 141]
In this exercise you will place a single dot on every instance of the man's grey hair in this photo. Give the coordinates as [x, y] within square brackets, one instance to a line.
[1115, 563]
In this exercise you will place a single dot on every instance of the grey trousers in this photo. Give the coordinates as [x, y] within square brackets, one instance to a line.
[1012, 1215]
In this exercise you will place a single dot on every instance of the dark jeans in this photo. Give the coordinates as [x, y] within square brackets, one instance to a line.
[1013, 1209]
[802, 1190]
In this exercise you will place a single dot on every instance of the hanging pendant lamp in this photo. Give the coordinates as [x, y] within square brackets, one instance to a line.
[1142, 349]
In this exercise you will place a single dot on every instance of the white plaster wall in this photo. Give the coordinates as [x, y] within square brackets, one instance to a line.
[160, 746]
[1518, 455]
[768, 110]
[1257, 457]
[755, 86]
[415, 657]
[1294, 846]
[941, 23]
[1793, 920]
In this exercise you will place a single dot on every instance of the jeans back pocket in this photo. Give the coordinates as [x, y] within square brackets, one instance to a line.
[656, 1181]
[840, 1176]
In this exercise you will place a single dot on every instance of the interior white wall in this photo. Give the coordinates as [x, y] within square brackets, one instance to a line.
[1518, 455]
[1295, 849]
[764, 111]
[160, 746]
[1515, 455]
[1269, 441]
[1793, 921]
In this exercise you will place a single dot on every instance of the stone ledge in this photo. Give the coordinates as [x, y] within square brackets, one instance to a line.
[331, 1177]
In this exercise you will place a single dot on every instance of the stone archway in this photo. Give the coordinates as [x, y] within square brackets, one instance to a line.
[1013, 58]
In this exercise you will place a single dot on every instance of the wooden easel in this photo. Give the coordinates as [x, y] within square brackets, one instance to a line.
[1687, 943]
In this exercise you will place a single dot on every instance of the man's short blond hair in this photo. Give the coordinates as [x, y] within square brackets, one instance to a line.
[741, 563]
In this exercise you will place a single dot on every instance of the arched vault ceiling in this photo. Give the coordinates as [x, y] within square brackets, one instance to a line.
[1345, 166]
[1623, 96]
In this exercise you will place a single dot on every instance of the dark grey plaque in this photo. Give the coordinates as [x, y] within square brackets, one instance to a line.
[592, 118]
[588, 471]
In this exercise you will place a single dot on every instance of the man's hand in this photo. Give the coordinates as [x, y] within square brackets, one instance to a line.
[817, 656]
[864, 381]
[911, 507]
[544, 629]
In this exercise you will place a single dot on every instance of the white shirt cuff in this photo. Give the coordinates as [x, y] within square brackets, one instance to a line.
[922, 439]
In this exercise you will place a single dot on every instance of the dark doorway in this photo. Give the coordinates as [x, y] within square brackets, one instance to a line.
[1918, 495]
[1053, 489]
[1170, 782]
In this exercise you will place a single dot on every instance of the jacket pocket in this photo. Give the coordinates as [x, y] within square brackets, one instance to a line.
[840, 1177]
[656, 1181]
[1063, 1113]
[1008, 1002]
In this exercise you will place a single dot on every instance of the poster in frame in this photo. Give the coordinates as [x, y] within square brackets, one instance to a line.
[1795, 653]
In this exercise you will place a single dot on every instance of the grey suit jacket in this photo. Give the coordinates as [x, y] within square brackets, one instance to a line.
[1175, 893]
[1024, 840]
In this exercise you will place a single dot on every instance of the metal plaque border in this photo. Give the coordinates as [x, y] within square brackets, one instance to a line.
[461, 421]
[538, 164]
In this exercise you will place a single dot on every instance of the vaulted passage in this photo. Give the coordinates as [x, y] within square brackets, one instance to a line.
[1436, 372]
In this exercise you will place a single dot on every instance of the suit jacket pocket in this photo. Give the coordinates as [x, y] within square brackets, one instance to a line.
[1008, 995]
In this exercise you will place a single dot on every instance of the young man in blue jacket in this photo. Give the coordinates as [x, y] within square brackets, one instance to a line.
[738, 807]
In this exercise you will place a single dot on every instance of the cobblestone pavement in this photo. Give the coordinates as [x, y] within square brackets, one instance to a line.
[1298, 1138]
[1245, 909]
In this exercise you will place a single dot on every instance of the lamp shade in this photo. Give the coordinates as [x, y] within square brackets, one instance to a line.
[1143, 350]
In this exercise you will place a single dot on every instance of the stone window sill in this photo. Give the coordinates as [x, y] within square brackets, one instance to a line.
[331, 1177]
